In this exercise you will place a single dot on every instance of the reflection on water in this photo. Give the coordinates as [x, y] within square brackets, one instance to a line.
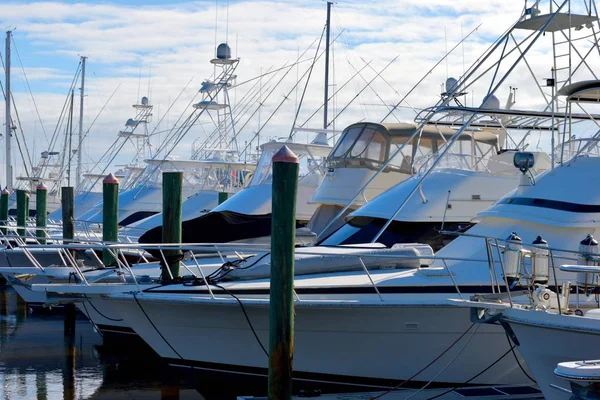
[38, 360]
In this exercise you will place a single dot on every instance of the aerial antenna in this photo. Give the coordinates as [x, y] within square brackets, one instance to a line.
[139, 83]
[462, 36]
[149, 75]
[446, 50]
[227, 24]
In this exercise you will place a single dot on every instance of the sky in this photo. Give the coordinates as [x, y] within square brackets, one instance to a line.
[162, 49]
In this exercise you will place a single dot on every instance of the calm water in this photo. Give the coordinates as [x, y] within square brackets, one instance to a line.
[38, 361]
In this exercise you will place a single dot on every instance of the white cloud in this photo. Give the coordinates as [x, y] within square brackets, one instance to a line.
[176, 42]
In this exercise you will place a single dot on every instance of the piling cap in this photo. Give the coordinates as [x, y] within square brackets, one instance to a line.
[539, 240]
[5, 192]
[41, 186]
[285, 155]
[111, 178]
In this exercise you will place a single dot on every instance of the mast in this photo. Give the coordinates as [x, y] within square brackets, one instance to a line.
[80, 142]
[326, 64]
[70, 133]
[9, 181]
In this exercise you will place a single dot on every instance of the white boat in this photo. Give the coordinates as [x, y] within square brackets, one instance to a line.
[355, 326]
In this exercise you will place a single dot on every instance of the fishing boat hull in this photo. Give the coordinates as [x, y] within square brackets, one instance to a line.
[340, 342]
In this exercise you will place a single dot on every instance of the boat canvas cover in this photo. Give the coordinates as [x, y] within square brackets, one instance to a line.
[322, 259]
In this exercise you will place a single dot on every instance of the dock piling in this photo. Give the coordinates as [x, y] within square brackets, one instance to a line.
[171, 230]
[67, 201]
[281, 303]
[41, 212]
[223, 196]
[110, 216]
[4, 196]
[22, 212]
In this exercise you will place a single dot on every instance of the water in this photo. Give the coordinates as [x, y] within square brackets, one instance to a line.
[38, 361]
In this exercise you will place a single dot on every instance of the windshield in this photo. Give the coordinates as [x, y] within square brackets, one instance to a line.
[309, 174]
[359, 230]
[362, 143]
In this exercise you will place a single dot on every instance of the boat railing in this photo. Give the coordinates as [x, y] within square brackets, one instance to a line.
[370, 262]
[517, 269]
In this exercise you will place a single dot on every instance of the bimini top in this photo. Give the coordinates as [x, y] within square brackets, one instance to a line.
[582, 92]
[369, 145]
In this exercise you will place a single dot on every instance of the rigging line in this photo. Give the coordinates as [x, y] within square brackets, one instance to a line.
[175, 129]
[351, 55]
[428, 73]
[245, 108]
[285, 66]
[425, 367]
[29, 88]
[358, 94]
[62, 115]
[19, 141]
[260, 102]
[86, 134]
[408, 105]
[332, 96]
[248, 146]
[371, 87]
[16, 136]
[182, 131]
[291, 135]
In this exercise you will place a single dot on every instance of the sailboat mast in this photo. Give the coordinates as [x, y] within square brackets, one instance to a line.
[326, 65]
[80, 142]
[9, 181]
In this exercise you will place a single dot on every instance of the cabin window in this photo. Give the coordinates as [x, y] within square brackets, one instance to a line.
[347, 141]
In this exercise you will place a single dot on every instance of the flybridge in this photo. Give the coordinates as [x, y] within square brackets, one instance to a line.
[518, 119]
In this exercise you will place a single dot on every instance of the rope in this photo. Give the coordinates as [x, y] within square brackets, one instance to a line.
[425, 367]
[247, 318]
[154, 326]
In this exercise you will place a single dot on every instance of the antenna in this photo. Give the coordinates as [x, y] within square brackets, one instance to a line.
[227, 24]
[446, 50]
[149, 75]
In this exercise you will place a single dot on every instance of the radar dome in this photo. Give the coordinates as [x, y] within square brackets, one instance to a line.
[223, 51]
[144, 101]
[491, 103]
[451, 85]
[130, 122]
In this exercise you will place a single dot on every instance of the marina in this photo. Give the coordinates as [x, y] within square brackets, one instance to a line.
[298, 225]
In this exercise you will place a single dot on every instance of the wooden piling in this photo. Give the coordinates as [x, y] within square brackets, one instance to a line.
[171, 231]
[110, 216]
[41, 212]
[281, 303]
[67, 202]
[22, 212]
[4, 196]
[223, 196]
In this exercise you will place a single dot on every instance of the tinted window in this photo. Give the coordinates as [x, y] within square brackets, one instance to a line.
[364, 229]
